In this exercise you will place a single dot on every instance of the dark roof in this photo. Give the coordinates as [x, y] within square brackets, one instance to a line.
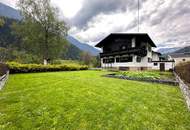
[156, 52]
[125, 35]
[178, 55]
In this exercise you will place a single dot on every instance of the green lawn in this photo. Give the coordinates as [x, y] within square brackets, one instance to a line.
[84, 100]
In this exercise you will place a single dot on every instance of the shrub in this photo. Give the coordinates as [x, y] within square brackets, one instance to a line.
[183, 70]
[3, 69]
[30, 68]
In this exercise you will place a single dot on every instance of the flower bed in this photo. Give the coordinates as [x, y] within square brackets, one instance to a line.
[147, 76]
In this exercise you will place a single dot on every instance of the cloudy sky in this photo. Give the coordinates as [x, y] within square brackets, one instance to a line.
[166, 21]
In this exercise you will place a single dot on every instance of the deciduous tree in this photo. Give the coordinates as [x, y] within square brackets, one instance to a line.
[41, 30]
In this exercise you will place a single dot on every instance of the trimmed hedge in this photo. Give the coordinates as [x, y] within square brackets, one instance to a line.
[183, 70]
[31, 68]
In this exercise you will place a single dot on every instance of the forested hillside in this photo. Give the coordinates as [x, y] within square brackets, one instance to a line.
[7, 38]
[11, 43]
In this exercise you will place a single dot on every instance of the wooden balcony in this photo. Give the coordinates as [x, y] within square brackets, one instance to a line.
[136, 51]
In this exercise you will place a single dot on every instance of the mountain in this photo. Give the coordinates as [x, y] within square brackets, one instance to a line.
[7, 37]
[82, 46]
[168, 50]
[9, 12]
[183, 50]
[175, 50]
[12, 13]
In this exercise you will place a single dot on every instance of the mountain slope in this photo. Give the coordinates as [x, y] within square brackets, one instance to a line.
[183, 50]
[9, 12]
[84, 47]
[168, 50]
[12, 13]
[7, 38]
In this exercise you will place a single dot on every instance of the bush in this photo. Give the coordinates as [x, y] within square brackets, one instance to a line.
[30, 68]
[3, 69]
[183, 70]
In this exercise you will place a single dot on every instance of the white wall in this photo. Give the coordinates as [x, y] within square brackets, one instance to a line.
[180, 60]
[155, 57]
[143, 63]
[168, 65]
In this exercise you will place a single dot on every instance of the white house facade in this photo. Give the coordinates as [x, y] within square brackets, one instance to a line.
[180, 57]
[131, 52]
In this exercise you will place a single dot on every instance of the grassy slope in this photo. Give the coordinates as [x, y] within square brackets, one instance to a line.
[85, 100]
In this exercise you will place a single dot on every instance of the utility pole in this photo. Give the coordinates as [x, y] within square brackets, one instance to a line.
[138, 16]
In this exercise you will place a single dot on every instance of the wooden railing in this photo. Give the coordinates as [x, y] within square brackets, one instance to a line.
[137, 51]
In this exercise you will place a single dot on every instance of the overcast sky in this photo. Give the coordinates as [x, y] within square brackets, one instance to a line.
[166, 21]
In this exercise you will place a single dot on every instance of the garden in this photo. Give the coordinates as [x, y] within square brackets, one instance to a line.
[164, 75]
[84, 100]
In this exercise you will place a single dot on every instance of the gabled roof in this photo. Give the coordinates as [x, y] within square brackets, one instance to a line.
[156, 52]
[125, 35]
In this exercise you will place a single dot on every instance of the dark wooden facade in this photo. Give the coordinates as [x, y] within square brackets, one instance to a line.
[122, 44]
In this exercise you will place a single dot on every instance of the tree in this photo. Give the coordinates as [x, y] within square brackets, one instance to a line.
[2, 22]
[40, 29]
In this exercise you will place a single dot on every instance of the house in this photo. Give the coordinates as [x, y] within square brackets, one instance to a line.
[180, 57]
[131, 51]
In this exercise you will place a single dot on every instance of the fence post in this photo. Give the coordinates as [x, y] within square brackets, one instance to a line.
[5, 71]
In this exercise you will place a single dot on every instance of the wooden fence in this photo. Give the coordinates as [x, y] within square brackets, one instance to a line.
[184, 89]
[4, 71]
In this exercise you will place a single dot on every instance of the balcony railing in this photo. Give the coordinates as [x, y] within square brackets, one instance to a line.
[136, 51]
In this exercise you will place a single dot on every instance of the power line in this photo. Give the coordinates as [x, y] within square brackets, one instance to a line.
[138, 16]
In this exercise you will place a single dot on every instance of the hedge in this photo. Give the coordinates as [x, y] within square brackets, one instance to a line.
[183, 70]
[31, 68]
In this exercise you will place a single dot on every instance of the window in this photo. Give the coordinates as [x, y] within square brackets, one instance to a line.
[108, 60]
[124, 59]
[107, 49]
[155, 64]
[117, 59]
[123, 47]
[138, 59]
[149, 59]
[149, 48]
[133, 42]
[183, 59]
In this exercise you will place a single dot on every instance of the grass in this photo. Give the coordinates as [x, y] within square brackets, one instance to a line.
[84, 100]
[148, 74]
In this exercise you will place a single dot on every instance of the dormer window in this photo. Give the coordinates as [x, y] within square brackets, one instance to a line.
[123, 47]
[133, 43]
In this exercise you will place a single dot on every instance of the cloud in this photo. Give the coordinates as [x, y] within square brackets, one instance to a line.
[93, 8]
[166, 21]
[11, 3]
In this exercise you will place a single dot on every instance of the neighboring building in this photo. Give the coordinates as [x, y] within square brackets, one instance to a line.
[131, 51]
[180, 57]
